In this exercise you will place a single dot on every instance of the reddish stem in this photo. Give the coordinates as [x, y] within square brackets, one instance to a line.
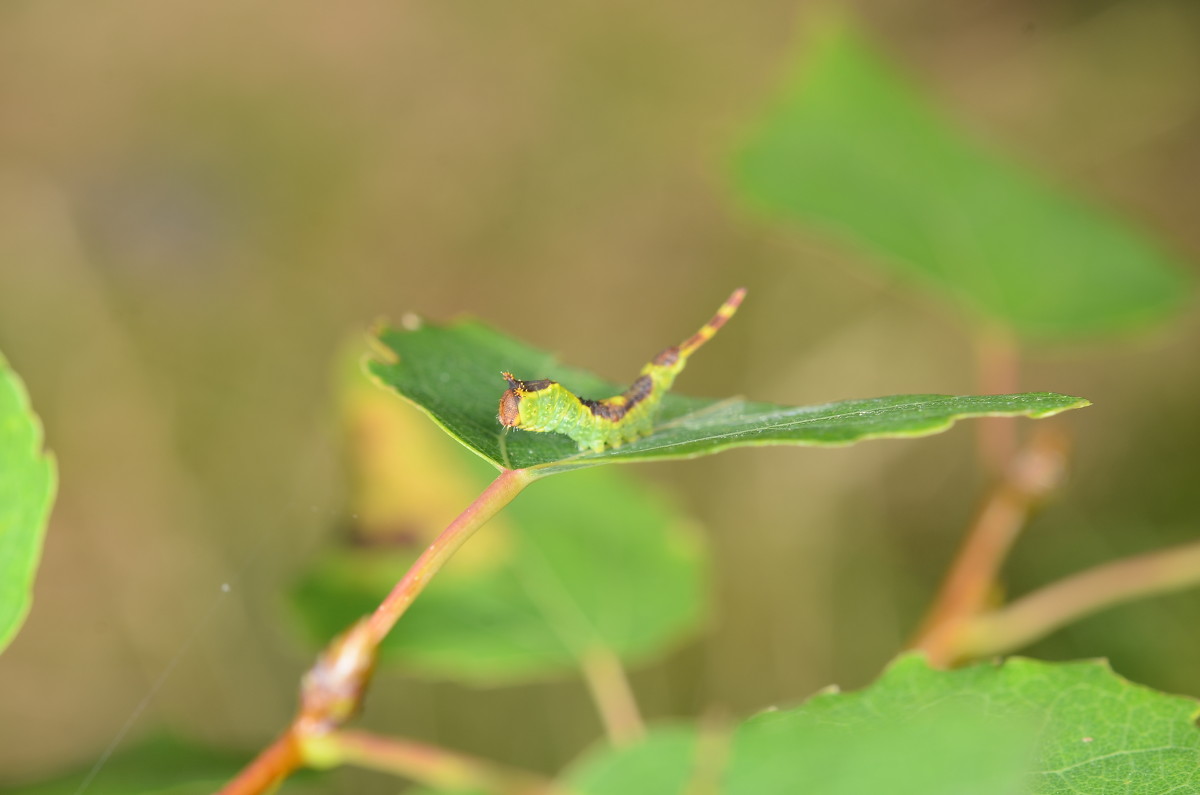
[338, 680]
[486, 505]
[1045, 610]
[433, 766]
[972, 576]
[999, 373]
[275, 763]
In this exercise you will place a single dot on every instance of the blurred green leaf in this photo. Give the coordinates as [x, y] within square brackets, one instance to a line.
[27, 482]
[1018, 726]
[850, 149]
[593, 560]
[453, 374]
[158, 766]
[939, 749]
[663, 763]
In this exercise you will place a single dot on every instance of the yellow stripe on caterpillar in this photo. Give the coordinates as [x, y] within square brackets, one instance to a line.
[545, 406]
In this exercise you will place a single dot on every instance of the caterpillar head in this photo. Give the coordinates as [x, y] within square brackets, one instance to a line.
[510, 401]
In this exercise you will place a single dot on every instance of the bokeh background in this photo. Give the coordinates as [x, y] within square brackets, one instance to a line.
[203, 206]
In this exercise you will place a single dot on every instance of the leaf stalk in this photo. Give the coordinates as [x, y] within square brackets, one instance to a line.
[333, 689]
[1045, 610]
[609, 685]
[432, 766]
[1033, 474]
[499, 493]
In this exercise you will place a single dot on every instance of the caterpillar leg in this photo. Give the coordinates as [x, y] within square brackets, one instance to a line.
[637, 429]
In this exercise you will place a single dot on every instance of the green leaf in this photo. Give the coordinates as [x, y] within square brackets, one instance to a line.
[661, 764]
[591, 561]
[453, 374]
[159, 766]
[579, 565]
[849, 149]
[992, 729]
[27, 482]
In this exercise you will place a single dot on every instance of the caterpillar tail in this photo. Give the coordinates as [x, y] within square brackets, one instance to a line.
[709, 329]
[547, 406]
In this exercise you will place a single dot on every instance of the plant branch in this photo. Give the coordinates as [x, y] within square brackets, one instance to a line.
[275, 763]
[334, 687]
[498, 494]
[998, 373]
[714, 747]
[1041, 612]
[972, 577]
[613, 696]
[432, 766]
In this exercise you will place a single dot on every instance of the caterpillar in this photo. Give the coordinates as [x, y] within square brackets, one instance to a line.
[547, 406]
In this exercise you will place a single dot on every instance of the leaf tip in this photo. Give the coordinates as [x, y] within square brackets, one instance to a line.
[1076, 403]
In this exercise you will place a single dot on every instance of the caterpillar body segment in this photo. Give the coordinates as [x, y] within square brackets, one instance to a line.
[709, 329]
[547, 406]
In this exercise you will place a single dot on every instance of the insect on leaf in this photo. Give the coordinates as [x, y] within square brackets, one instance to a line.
[548, 406]
[449, 372]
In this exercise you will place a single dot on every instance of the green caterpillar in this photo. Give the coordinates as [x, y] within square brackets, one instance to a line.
[548, 406]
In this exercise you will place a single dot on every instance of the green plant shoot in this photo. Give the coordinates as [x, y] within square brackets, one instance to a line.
[547, 406]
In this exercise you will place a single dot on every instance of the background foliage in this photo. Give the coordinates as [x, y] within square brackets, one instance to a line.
[26, 493]
[198, 205]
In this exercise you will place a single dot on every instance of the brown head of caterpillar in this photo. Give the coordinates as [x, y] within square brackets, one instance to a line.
[510, 401]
